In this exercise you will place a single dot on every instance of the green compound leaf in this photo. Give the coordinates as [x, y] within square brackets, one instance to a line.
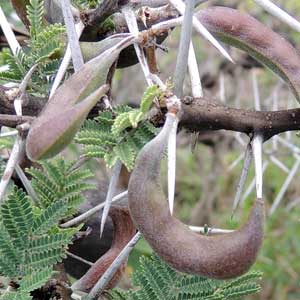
[50, 216]
[35, 280]
[16, 296]
[35, 13]
[50, 242]
[155, 280]
[121, 122]
[57, 180]
[135, 117]
[119, 138]
[17, 217]
[126, 155]
[43, 260]
[150, 94]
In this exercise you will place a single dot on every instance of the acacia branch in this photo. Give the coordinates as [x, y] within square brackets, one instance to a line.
[204, 114]
[198, 114]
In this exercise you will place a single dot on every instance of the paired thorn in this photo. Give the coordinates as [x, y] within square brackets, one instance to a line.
[110, 193]
[257, 154]
[172, 165]
[241, 184]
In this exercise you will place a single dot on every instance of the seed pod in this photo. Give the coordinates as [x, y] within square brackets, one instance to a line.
[50, 133]
[68, 107]
[220, 257]
[124, 231]
[246, 33]
[90, 50]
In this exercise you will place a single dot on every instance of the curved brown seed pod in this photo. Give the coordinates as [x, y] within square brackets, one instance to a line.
[124, 230]
[220, 257]
[66, 110]
[246, 33]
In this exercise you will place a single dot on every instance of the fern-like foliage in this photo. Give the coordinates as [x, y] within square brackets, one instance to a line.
[119, 134]
[30, 242]
[155, 280]
[57, 182]
[45, 48]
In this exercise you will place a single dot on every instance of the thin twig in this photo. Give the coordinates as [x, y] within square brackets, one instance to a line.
[279, 13]
[81, 218]
[110, 193]
[9, 34]
[112, 269]
[11, 164]
[72, 35]
[183, 51]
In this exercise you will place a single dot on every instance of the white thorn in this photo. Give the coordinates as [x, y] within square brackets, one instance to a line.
[257, 154]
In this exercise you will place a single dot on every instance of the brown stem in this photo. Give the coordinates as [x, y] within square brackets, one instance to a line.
[124, 230]
[99, 14]
[220, 257]
[13, 121]
[32, 105]
[206, 114]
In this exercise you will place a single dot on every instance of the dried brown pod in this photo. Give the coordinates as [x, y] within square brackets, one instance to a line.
[124, 230]
[66, 110]
[220, 257]
[246, 33]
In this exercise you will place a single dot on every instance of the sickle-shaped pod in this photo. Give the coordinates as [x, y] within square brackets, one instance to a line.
[246, 33]
[124, 230]
[220, 257]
